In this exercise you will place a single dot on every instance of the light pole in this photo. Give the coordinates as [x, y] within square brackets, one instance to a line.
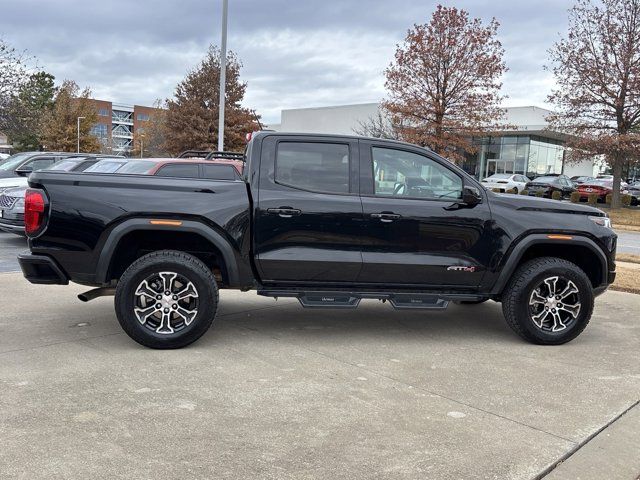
[79, 118]
[223, 75]
[141, 145]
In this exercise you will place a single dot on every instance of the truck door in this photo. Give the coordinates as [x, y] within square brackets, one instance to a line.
[415, 233]
[308, 217]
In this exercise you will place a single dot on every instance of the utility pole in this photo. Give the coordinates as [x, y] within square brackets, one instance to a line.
[79, 118]
[223, 75]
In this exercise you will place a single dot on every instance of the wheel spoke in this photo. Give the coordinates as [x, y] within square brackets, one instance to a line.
[167, 280]
[572, 309]
[552, 284]
[188, 291]
[540, 318]
[569, 289]
[142, 314]
[558, 325]
[165, 324]
[536, 298]
[187, 315]
[145, 290]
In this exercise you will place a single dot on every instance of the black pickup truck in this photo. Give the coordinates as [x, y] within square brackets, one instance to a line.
[329, 220]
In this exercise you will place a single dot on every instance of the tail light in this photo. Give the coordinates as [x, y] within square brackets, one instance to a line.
[35, 204]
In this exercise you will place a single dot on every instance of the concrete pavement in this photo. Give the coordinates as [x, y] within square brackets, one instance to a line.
[628, 242]
[275, 391]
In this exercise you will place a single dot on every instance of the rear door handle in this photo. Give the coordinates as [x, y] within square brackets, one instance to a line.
[385, 217]
[284, 212]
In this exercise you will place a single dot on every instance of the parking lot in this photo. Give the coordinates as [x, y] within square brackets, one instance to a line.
[275, 391]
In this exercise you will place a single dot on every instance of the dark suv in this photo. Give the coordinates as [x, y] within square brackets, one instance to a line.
[22, 164]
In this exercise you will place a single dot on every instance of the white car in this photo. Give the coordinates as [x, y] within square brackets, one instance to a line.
[13, 182]
[505, 182]
[4, 156]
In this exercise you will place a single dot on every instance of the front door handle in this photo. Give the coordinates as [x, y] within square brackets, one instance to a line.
[386, 217]
[284, 212]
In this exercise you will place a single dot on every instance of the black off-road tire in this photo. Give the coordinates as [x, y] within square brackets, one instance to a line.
[515, 300]
[186, 266]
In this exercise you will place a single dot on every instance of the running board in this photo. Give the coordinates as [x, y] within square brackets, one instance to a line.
[344, 300]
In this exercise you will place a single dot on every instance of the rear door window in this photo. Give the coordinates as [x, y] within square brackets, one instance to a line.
[186, 170]
[40, 163]
[318, 167]
[219, 172]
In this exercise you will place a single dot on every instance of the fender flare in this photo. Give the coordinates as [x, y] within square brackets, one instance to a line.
[137, 224]
[513, 259]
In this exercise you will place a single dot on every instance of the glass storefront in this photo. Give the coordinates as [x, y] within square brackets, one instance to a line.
[527, 155]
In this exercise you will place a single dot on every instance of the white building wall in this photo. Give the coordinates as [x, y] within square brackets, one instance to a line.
[339, 120]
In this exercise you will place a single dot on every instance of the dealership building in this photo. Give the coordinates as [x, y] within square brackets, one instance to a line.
[117, 124]
[530, 148]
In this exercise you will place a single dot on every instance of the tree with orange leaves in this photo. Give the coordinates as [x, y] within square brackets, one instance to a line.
[444, 85]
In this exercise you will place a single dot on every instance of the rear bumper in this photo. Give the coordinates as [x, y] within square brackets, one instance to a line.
[42, 270]
[13, 227]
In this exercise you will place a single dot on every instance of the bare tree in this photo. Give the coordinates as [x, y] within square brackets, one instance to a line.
[597, 71]
[444, 85]
[378, 126]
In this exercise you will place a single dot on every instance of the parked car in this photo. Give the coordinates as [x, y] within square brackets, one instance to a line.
[634, 191]
[602, 188]
[4, 156]
[549, 184]
[22, 164]
[77, 164]
[193, 168]
[580, 179]
[12, 210]
[227, 158]
[506, 181]
[110, 165]
[328, 220]
[170, 167]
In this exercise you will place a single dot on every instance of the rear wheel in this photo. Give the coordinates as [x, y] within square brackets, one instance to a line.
[166, 299]
[549, 301]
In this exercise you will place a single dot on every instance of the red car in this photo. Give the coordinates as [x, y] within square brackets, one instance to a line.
[602, 188]
[185, 168]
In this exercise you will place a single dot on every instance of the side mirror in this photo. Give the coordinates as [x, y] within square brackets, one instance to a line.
[24, 171]
[471, 196]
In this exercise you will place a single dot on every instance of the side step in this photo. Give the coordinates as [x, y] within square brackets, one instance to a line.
[343, 300]
[407, 301]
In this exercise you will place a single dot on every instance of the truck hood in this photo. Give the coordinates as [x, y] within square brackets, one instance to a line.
[535, 204]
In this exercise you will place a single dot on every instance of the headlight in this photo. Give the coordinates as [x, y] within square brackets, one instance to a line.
[602, 221]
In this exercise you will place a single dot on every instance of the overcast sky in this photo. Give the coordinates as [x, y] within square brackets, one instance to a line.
[295, 53]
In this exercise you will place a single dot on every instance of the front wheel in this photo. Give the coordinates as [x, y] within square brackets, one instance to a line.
[166, 299]
[549, 301]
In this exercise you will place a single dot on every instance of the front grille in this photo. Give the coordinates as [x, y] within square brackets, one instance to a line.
[7, 202]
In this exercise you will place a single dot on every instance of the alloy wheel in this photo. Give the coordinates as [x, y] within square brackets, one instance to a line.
[554, 304]
[166, 302]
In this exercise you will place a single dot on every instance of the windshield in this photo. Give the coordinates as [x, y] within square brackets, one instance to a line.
[105, 166]
[137, 167]
[14, 161]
